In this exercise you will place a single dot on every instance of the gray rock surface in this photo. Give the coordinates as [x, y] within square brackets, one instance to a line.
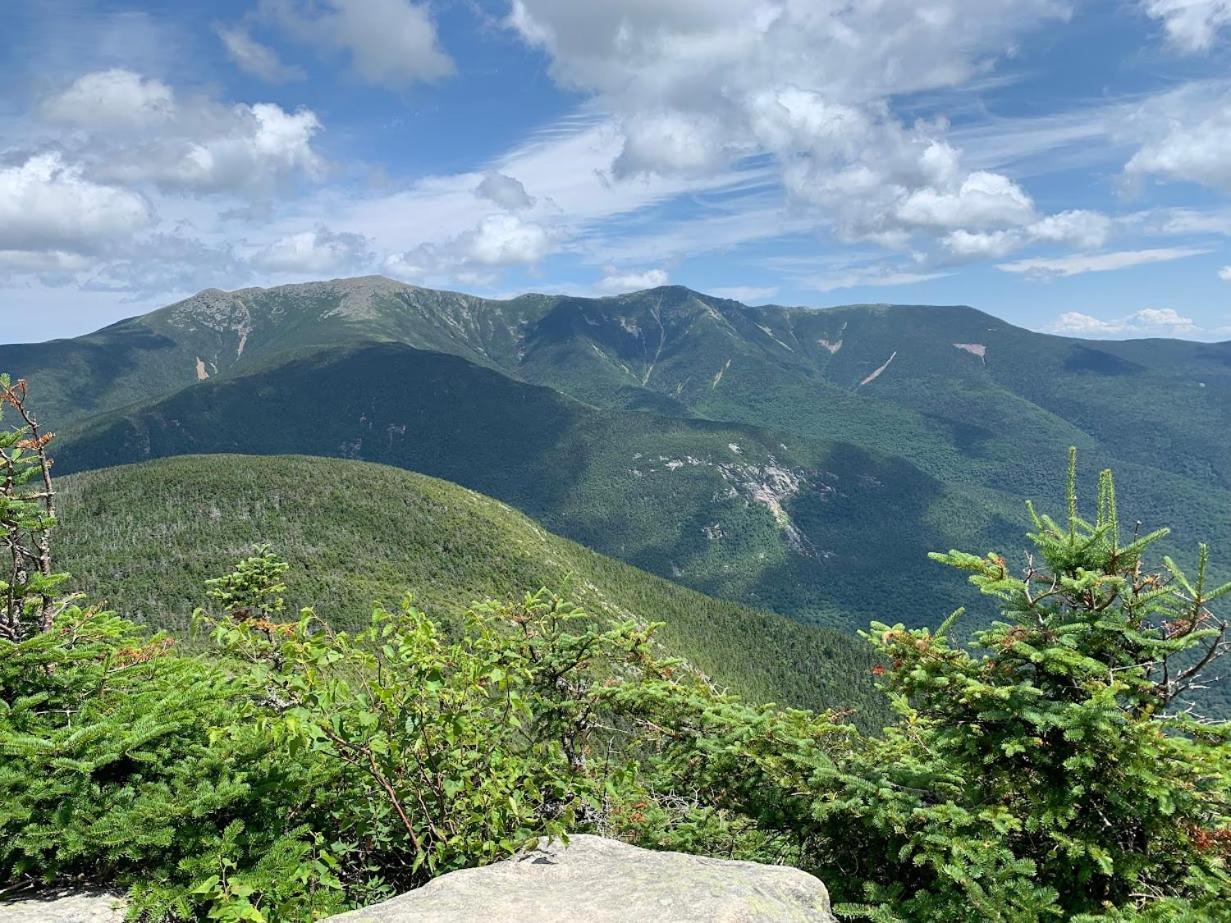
[595, 880]
[63, 907]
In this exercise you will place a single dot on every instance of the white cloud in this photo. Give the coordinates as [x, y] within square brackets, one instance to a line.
[498, 241]
[1192, 25]
[112, 99]
[43, 261]
[1048, 268]
[1079, 228]
[696, 48]
[697, 85]
[48, 205]
[602, 222]
[1225, 273]
[505, 191]
[390, 42]
[1146, 322]
[982, 244]
[1186, 138]
[615, 282]
[1084, 230]
[871, 276]
[669, 142]
[256, 59]
[503, 240]
[162, 262]
[981, 200]
[244, 148]
[315, 252]
[135, 130]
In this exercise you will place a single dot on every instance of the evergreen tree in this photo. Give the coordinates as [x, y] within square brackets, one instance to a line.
[1049, 771]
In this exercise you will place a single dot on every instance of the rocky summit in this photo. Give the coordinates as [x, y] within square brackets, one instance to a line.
[597, 880]
[65, 907]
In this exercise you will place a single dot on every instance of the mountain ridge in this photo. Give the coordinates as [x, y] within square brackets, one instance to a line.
[958, 416]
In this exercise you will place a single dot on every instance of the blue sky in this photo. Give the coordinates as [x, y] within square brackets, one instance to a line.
[1064, 164]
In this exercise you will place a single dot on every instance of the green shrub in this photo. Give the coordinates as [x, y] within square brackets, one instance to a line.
[447, 753]
[126, 762]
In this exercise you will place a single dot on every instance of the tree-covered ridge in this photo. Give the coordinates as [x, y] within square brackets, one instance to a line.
[145, 538]
[1046, 771]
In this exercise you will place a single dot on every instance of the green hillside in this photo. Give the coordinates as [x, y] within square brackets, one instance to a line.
[146, 538]
[800, 526]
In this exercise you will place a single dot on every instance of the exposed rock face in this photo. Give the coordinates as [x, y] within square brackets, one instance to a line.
[595, 880]
[96, 907]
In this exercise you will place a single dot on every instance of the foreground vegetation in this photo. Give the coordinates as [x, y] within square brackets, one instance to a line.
[1048, 772]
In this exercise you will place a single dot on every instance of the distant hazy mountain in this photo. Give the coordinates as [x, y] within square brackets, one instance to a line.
[794, 458]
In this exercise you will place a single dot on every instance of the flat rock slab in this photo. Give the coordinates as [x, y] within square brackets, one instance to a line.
[596, 880]
[61, 907]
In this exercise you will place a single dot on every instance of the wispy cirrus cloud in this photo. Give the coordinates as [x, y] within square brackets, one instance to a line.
[1056, 267]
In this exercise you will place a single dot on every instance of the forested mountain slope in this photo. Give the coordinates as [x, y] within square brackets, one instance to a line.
[147, 537]
[801, 526]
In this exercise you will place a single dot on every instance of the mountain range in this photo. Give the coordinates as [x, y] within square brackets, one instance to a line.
[793, 459]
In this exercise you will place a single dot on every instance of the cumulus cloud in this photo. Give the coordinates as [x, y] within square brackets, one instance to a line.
[315, 252]
[503, 240]
[498, 241]
[199, 144]
[697, 85]
[1050, 268]
[669, 142]
[84, 210]
[1078, 228]
[615, 282]
[694, 48]
[1225, 273]
[48, 205]
[1190, 141]
[390, 42]
[1192, 25]
[246, 148]
[1146, 322]
[982, 199]
[254, 58]
[110, 99]
[504, 190]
